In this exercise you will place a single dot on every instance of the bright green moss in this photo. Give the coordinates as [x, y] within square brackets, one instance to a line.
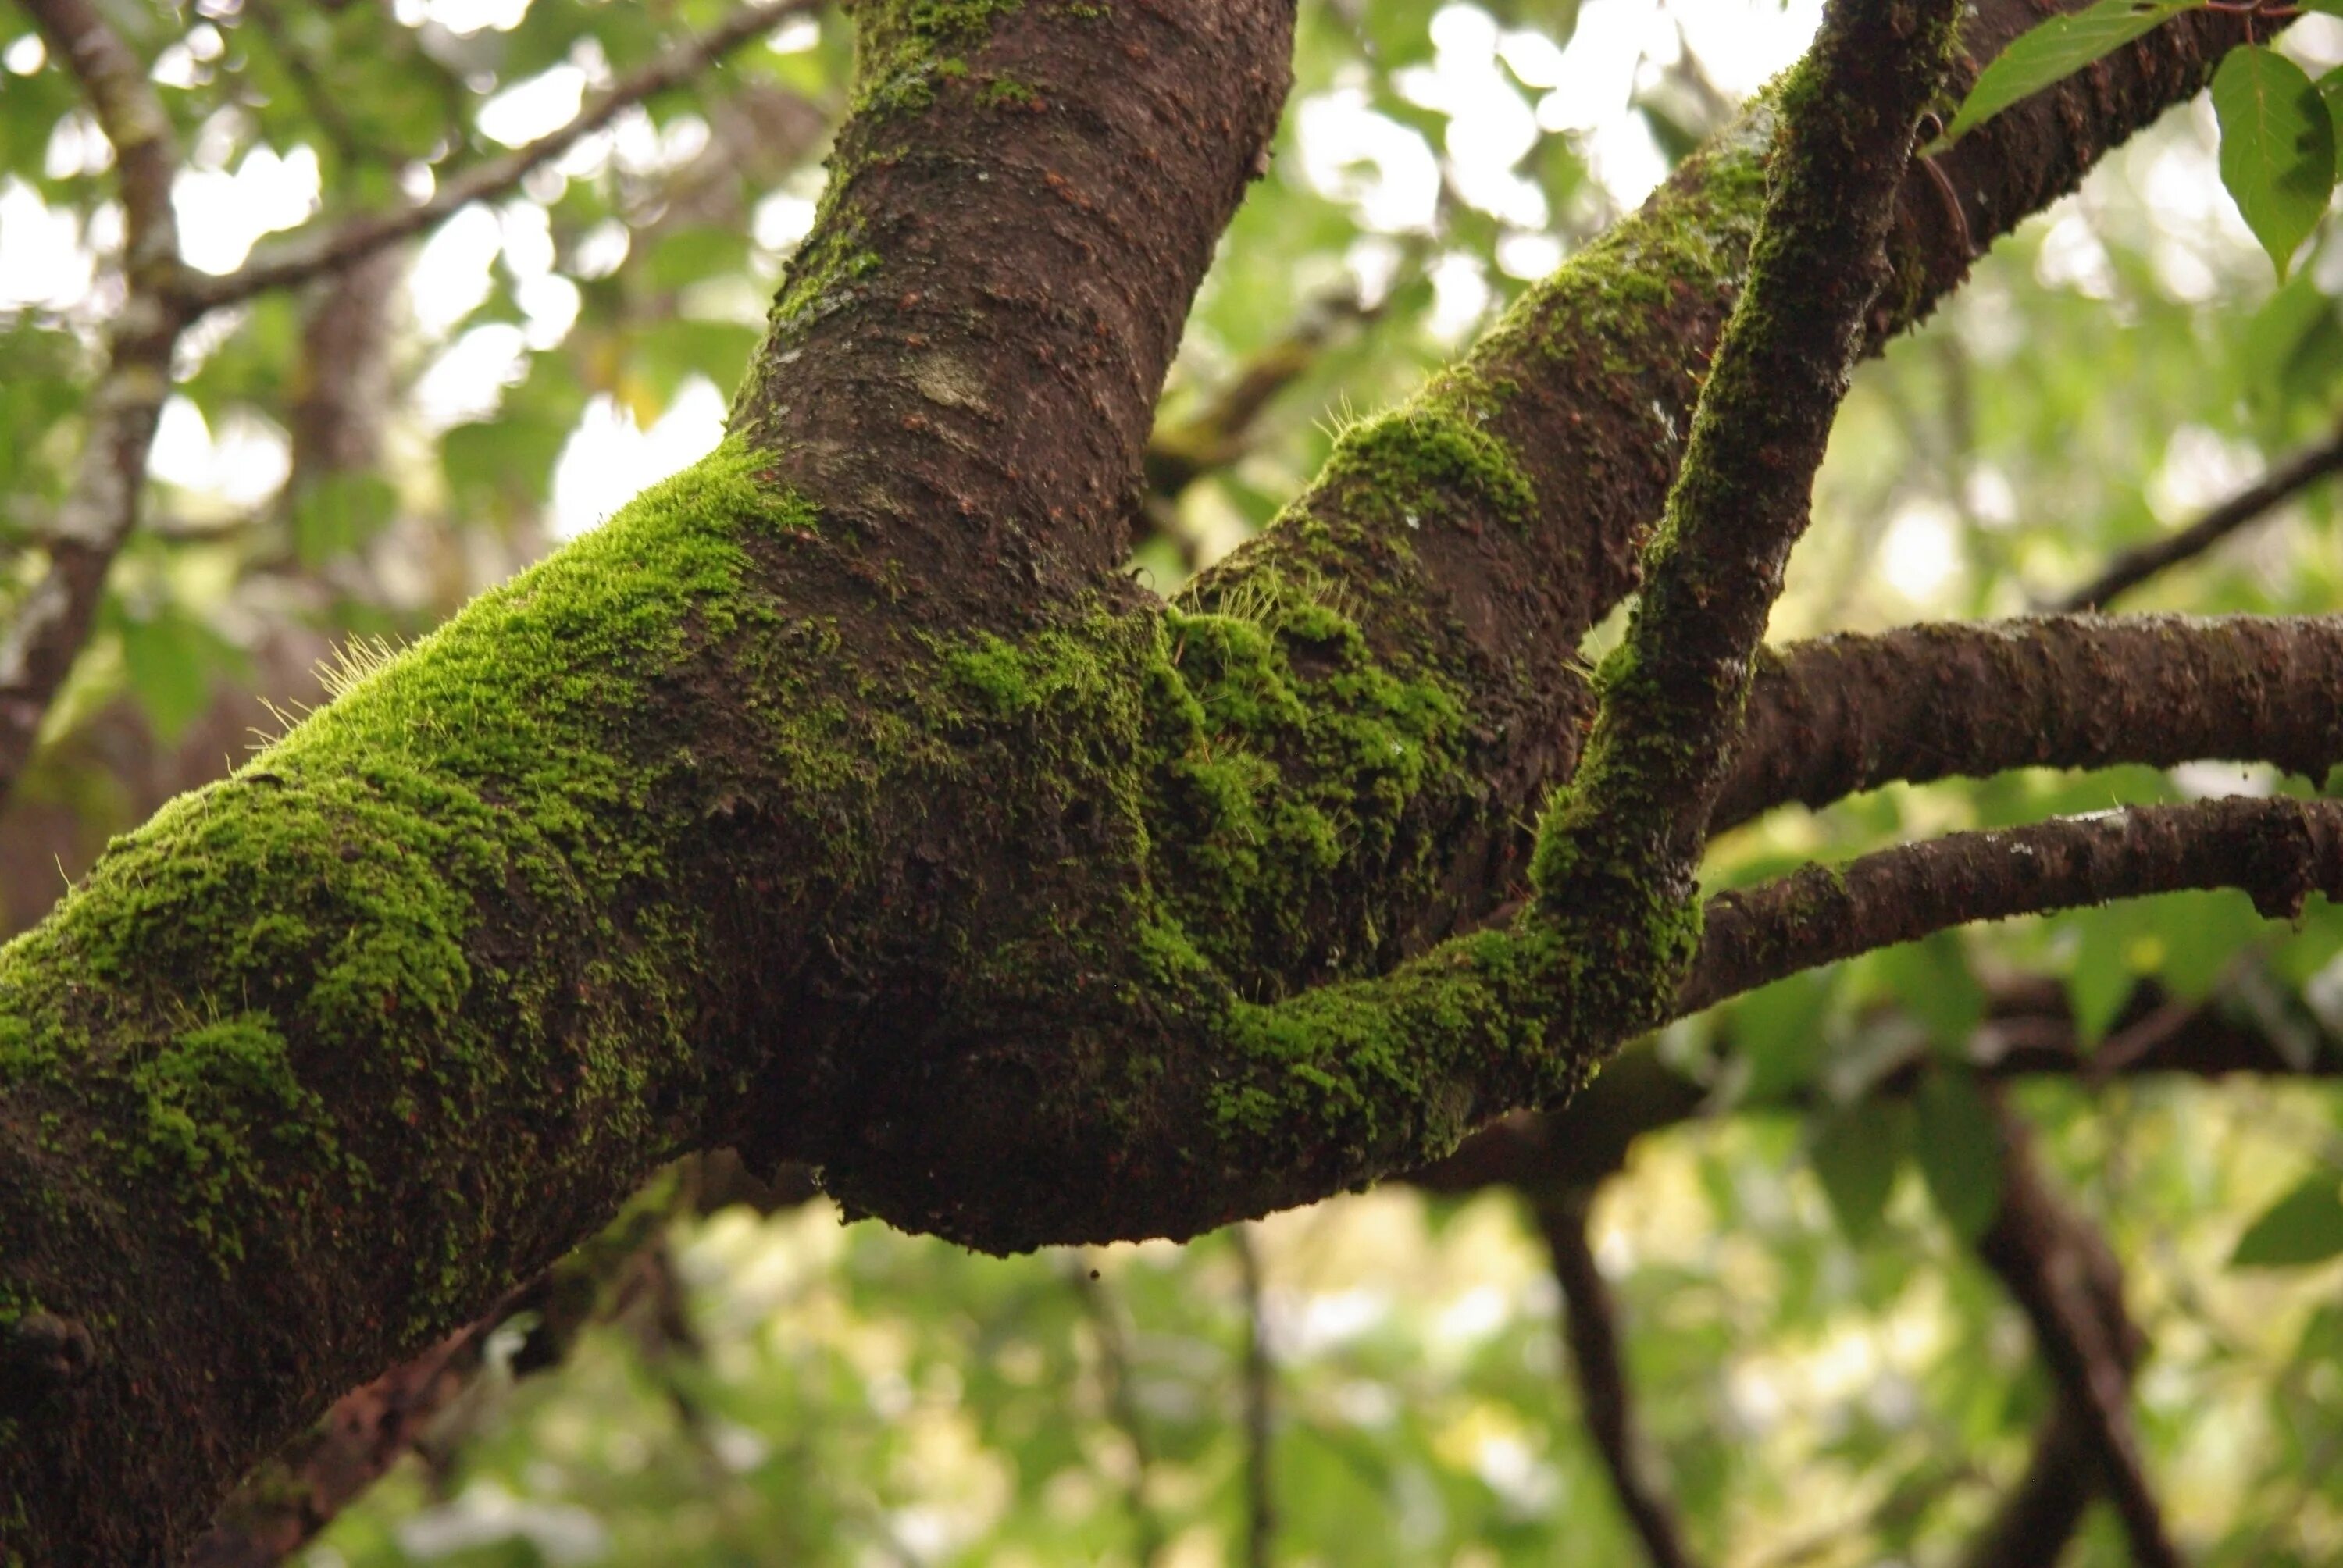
[903, 47]
[336, 887]
[1273, 782]
[1427, 459]
[222, 1109]
[1007, 93]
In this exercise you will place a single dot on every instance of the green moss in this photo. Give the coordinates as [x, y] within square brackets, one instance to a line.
[1007, 93]
[1275, 781]
[221, 1104]
[333, 889]
[903, 47]
[1429, 459]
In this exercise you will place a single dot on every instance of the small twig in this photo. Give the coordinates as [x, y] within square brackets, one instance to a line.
[101, 508]
[1260, 1401]
[1591, 1326]
[2063, 1276]
[305, 255]
[1122, 1407]
[2255, 501]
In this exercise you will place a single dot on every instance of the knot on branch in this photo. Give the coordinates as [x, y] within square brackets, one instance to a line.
[42, 1354]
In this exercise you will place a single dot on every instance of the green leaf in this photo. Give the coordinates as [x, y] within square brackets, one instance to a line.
[2102, 979]
[171, 657]
[2306, 1226]
[339, 513]
[1856, 1154]
[1959, 1146]
[2277, 147]
[1931, 977]
[1777, 1029]
[2055, 50]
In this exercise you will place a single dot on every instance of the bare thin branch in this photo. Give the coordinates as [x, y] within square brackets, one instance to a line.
[2277, 852]
[1147, 1539]
[2248, 506]
[1260, 1409]
[1606, 1400]
[2061, 1272]
[305, 255]
[2039, 1516]
[101, 508]
[100, 513]
[1842, 714]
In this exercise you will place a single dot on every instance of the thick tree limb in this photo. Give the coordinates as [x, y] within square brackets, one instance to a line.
[1499, 1020]
[301, 257]
[1830, 717]
[101, 508]
[2255, 501]
[1591, 1327]
[2277, 852]
[429, 988]
[1493, 572]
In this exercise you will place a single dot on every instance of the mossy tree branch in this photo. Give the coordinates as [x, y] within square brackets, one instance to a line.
[165, 297]
[839, 800]
[1671, 695]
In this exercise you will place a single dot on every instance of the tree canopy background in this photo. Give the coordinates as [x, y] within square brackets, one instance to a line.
[1823, 1362]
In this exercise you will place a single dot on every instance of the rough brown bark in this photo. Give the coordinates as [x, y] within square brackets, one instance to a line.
[1842, 714]
[2278, 851]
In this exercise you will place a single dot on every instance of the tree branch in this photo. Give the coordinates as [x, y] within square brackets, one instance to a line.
[2277, 852]
[1830, 717]
[836, 799]
[2255, 501]
[101, 508]
[1606, 1400]
[1483, 528]
[1260, 1413]
[1671, 694]
[1147, 1539]
[301, 257]
[2062, 1274]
